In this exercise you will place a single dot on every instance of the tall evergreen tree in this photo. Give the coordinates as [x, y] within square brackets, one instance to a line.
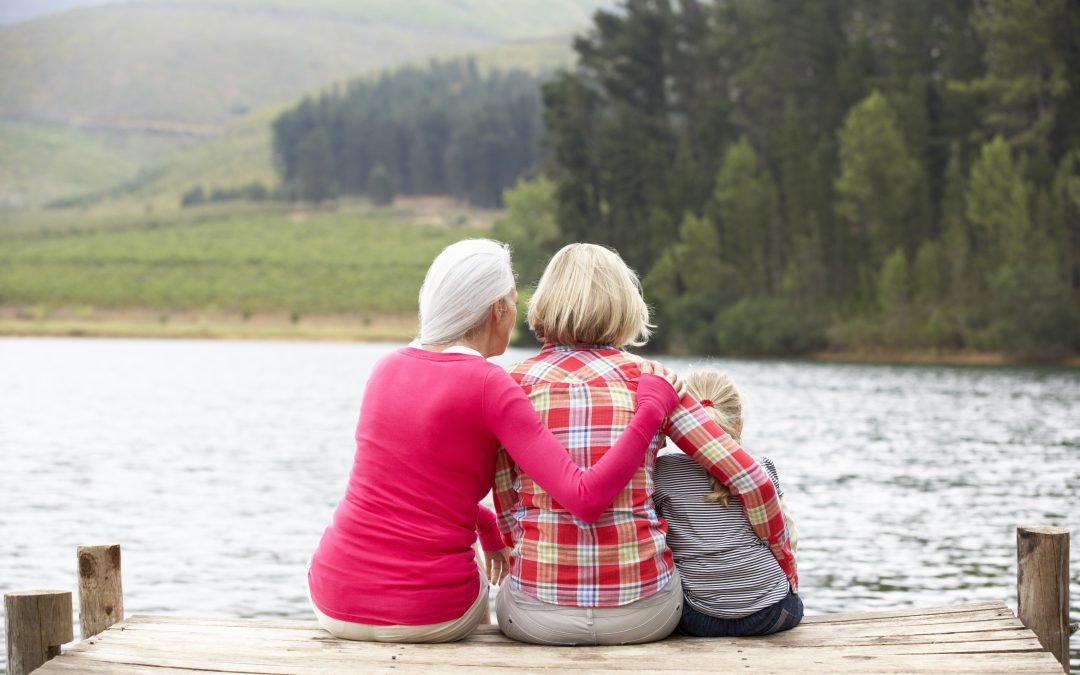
[997, 203]
[530, 227]
[878, 182]
[1028, 79]
[693, 279]
[894, 299]
[746, 207]
[380, 186]
[1065, 226]
[315, 167]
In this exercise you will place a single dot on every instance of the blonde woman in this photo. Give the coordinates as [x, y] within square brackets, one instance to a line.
[732, 585]
[611, 581]
[396, 563]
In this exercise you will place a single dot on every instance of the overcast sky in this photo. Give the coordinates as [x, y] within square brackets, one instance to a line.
[12, 11]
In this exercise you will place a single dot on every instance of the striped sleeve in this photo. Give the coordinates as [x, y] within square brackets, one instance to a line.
[694, 432]
[770, 468]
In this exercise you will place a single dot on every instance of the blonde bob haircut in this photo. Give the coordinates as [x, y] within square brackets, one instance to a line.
[588, 295]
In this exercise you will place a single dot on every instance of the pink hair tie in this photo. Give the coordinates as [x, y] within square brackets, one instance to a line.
[706, 402]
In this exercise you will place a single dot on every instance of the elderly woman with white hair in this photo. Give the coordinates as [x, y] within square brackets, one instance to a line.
[611, 581]
[396, 564]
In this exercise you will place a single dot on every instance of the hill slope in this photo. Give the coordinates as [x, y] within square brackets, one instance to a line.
[242, 154]
[136, 81]
[517, 19]
[155, 66]
[43, 162]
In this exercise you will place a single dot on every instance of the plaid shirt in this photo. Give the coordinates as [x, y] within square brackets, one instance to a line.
[586, 396]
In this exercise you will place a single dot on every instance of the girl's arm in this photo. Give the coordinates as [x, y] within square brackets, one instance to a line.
[586, 494]
[710, 446]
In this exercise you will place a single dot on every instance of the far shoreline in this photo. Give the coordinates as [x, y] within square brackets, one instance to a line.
[375, 327]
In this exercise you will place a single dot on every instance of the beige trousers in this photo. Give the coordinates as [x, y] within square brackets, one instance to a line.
[526, 619]
[447, 631]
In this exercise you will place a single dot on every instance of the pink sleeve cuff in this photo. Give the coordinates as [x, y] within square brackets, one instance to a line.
[487, 528]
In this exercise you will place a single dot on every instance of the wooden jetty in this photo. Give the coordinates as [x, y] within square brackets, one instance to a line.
[964, 638]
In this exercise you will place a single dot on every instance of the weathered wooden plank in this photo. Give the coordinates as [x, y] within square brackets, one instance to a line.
[285, 624]
[91, 667]
[964, 639]
[933, 619]
[912, 614]
[433, 658]
[941, 623]
[908, 612]
[301, 624]
[270, 639]
[810, 634]
[272, 651]
[651, 662]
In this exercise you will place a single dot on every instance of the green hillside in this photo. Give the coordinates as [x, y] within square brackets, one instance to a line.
[102, 97]
[242, 154]
[496, 18]
[228, 259]
[521, 18]
[43, 162]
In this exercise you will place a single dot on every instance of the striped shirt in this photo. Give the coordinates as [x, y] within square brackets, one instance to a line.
[586, 396]
[726, 570]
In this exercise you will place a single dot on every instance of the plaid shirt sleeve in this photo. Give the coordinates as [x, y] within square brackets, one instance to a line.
[504, 495]
[690, 427]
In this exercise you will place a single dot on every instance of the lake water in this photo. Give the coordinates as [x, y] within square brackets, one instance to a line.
[216, 466]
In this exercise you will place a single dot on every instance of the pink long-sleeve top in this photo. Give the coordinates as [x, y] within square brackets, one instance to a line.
[399, 548]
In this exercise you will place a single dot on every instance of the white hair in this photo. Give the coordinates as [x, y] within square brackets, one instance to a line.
[461, 285]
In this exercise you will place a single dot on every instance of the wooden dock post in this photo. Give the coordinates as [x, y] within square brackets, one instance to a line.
[1042, 586]
[101, 595]
[38, 623]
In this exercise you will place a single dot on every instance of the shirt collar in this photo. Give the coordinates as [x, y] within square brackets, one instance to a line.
[550, 345]
[456, 349]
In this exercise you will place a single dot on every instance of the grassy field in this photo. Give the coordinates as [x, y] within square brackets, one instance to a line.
[133, 323]
[208, 264]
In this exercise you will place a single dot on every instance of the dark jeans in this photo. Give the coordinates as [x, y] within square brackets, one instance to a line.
[783, 615]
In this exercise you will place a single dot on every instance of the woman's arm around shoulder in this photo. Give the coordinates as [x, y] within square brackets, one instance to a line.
[696, 434]
[586, 494]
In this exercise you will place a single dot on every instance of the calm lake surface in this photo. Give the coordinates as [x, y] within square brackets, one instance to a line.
[216, 465]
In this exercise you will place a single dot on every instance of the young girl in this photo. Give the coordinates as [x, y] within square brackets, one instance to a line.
[732, 585]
